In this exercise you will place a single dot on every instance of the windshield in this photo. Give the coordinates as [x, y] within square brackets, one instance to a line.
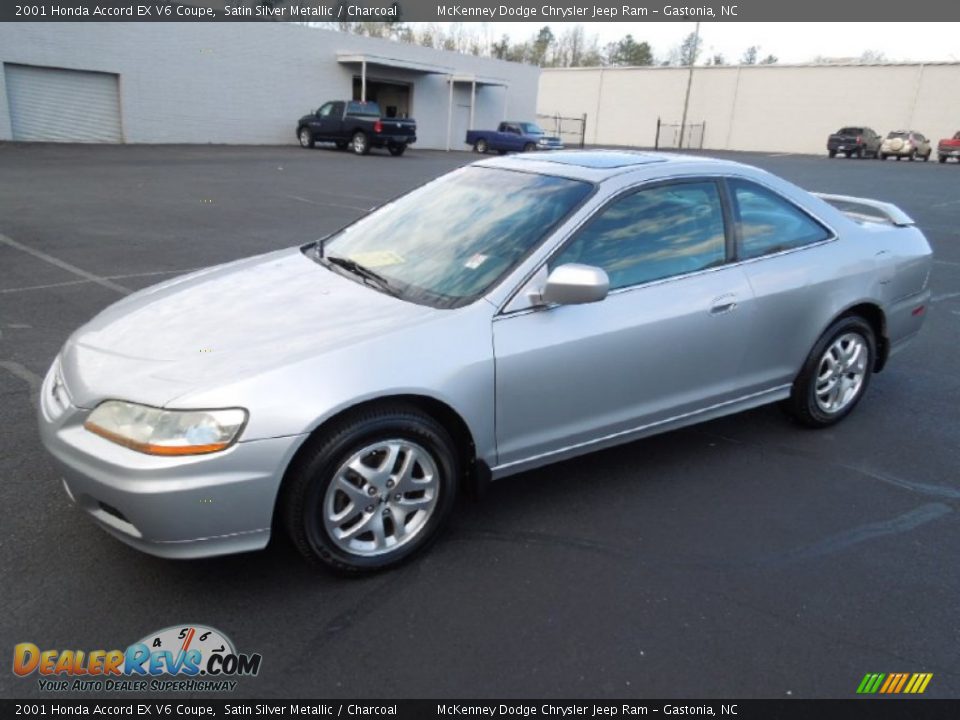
[447, 242]
[531, 128]
[898, 134]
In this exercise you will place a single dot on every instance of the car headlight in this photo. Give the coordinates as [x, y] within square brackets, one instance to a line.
[156, 431]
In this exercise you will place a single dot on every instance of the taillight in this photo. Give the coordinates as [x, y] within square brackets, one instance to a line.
[378, 126]
[859, 139]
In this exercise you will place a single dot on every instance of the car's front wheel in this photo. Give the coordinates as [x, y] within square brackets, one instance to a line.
[835, 375]
[306, 138]
[372, 490]
[480, 146]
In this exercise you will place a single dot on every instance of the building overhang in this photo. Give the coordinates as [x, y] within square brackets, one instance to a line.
[350, 58]
[479, 80]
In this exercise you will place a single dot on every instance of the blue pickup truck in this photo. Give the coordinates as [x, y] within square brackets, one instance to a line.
[512, 136]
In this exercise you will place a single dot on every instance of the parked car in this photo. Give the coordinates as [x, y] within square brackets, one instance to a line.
[905, 144]
[509, 314]
[949, 148]
[854, 142]
[355, 124]
[512, 136]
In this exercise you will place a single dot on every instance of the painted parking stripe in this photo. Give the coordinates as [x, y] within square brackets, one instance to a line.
[104, 282]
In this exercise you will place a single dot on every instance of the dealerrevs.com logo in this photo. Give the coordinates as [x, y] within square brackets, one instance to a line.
[184, 658]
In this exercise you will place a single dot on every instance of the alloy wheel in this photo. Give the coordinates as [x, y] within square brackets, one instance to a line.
[841, 373]
[381, 497]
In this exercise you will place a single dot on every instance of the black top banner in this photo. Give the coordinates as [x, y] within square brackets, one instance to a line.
[551, 11]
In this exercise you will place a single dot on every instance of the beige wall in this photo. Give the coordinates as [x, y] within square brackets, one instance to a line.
[775, 108]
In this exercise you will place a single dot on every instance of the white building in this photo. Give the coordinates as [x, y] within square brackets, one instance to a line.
[774, 108]
[237, 83]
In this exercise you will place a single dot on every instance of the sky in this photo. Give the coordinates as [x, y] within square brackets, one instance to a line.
[789, 42]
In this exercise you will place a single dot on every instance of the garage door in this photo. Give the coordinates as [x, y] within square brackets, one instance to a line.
[54, 105]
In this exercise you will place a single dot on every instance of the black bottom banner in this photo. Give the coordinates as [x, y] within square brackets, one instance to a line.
[873, 709]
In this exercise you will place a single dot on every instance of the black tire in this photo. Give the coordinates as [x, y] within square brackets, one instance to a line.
[305, 137]
[361, 143]
[529, 147]
[859, 153]
[926, 158]
[341, 145]
[480, 146]
[899, 158]
[913, 155]
[883, 156]
[941, 159]
[832, 153]
[397, 150]
[802, 404]
[307, 480]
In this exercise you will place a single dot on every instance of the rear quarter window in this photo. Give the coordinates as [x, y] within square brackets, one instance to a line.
[768, 223]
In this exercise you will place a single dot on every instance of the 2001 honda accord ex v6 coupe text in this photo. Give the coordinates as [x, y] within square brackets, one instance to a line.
[512, 313]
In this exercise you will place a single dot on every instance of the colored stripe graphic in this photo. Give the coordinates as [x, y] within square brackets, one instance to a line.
[894, 683]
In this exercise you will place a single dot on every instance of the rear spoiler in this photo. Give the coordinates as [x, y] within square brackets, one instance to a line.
[870, 210]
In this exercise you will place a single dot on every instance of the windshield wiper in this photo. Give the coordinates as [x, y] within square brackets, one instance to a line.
[364, 272]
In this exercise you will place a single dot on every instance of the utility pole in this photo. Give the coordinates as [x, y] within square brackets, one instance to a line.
[686, 100]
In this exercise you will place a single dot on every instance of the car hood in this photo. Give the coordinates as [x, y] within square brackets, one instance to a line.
[222, 324]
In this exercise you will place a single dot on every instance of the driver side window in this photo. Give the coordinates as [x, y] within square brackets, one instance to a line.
[325, 110]
[653, 234]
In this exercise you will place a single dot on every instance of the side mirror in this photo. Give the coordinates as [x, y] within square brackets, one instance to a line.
[575, 284]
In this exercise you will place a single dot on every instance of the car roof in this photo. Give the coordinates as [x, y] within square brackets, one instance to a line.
[599, 165]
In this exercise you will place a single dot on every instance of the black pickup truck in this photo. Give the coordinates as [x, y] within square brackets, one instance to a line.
[359, 125]
[854, 142]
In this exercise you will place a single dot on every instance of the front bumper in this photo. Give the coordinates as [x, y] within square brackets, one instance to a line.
[186, 507]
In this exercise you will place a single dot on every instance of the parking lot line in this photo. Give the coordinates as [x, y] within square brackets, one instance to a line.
[65, 266]
[68, 283]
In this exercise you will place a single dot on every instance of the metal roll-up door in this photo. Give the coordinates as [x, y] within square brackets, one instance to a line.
[55, 105]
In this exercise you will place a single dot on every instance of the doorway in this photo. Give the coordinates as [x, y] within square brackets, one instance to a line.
[394, 98]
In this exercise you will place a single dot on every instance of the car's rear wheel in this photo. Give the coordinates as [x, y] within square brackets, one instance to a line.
[397, 150]
[859, 153]
[883, 156]
[835, 375]
[480, 146]
[371, 491]
[913, 155]
[832, 153]
[361, 144]
[926, 158]
[306, 138]
[941, 159]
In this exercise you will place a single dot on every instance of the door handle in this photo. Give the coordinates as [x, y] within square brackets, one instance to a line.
[723, 304]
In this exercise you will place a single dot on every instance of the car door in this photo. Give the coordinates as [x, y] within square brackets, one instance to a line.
[512, 138]
[668, 340]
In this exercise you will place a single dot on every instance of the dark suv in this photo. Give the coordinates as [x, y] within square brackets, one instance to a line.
[854, 142]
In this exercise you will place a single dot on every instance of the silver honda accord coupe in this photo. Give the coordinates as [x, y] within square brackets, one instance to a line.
[512, 313]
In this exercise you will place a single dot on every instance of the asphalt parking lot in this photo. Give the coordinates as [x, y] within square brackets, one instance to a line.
[743, 557]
